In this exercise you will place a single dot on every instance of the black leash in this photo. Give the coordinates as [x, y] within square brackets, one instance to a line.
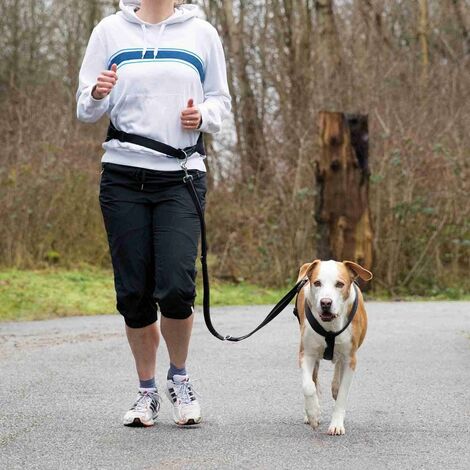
[183, 155]
[277, 309]
[331, 335]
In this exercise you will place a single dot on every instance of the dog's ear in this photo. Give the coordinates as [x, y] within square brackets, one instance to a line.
[357, 270]
[307, 269]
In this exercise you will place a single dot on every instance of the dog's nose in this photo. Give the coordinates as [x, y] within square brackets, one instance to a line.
[325, 303]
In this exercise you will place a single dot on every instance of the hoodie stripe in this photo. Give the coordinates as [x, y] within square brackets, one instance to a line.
[135, 55]
[150, 49]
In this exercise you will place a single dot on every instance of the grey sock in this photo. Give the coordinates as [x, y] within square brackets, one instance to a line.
[173, 370]
[150, 383]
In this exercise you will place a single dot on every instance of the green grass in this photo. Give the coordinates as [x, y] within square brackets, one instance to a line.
[42, 294]
[51, 293]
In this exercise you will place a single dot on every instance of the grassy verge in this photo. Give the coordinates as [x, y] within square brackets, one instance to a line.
[42, 294]
[38, 295]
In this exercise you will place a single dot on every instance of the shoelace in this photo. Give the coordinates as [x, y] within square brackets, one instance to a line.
[143, 401]
[182, 390]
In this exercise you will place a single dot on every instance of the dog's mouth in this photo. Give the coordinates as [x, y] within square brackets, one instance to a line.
[327, 316]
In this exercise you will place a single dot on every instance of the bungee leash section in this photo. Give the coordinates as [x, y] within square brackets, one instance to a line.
[278, 308]
[182, 155]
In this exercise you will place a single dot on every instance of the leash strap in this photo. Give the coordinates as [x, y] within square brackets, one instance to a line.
[331, 335]
[277, 309]
[180, 154]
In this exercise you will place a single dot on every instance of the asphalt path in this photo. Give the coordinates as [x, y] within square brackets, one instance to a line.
[65, 385]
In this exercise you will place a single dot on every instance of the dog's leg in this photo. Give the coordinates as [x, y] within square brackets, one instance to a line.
[312, 406]
[317, 385]
[336, 380]
[315, 376]
[337, 420]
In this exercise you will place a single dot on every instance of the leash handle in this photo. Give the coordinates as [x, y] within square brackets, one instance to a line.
[277, 309]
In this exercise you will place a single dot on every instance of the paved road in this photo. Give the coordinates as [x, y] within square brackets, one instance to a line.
[65, 385]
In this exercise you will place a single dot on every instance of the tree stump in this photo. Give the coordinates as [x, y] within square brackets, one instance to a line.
[342, 173]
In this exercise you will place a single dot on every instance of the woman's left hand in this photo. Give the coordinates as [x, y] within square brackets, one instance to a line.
[190, 117]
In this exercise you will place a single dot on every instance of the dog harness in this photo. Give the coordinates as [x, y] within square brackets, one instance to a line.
[330, 336]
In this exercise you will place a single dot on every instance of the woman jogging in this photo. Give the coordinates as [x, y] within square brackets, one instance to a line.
[158, 71]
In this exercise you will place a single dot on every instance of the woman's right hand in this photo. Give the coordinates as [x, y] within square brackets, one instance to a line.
[105, 83]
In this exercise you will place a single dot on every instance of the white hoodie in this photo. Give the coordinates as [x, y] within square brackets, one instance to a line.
[159, 67]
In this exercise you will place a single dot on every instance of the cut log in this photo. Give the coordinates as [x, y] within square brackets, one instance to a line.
[342, 174]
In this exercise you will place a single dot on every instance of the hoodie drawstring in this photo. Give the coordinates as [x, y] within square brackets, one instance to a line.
[144, 30]
[160, 33]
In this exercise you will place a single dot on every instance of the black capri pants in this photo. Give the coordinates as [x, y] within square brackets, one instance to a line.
[153, 231]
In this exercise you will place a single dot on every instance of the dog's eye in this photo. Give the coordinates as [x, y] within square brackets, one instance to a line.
[340, 285]
[317, 284]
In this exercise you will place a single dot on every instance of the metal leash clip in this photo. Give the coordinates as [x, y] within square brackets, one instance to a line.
[183, 164]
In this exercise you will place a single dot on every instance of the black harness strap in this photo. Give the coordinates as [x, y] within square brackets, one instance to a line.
[183, 154]
[331, 335]
[180, 154]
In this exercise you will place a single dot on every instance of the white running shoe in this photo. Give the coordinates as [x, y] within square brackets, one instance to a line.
[145, 409]
[180, 392]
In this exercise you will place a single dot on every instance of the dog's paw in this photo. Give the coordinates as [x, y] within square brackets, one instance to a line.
[336, 428]
[312, 420]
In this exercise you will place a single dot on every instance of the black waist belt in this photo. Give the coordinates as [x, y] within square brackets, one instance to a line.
[168, 150]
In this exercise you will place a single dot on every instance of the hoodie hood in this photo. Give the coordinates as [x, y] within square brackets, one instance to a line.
[182, 13]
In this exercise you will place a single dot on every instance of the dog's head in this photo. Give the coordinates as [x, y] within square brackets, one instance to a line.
[331, 286]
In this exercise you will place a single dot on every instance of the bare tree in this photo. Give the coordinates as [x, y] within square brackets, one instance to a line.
[329, 47]
[423, 32]
[457, 8]
[287, 60]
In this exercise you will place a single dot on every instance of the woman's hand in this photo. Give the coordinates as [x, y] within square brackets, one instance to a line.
[105, 83]
[191, 117]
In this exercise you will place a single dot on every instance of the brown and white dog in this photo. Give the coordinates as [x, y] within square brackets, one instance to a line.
[330, 296]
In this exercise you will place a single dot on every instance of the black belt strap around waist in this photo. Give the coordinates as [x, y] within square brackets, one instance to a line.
[156, 145]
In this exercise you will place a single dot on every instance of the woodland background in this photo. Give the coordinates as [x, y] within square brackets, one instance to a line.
[405, 63]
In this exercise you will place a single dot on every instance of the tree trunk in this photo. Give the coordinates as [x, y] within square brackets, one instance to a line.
[342, 174]
[423, 31]
[456, 4]
[94, 14]
[328, 37]
[250, 136]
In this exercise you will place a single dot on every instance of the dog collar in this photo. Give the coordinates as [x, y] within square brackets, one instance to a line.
[331, 335]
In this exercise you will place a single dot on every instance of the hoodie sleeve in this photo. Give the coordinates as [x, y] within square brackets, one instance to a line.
[217, 100]
[90, 109]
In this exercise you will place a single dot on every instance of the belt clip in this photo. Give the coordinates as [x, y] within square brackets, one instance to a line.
[183, 164]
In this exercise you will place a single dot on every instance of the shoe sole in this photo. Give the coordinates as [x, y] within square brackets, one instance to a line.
[137, 423]
[190, 422]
